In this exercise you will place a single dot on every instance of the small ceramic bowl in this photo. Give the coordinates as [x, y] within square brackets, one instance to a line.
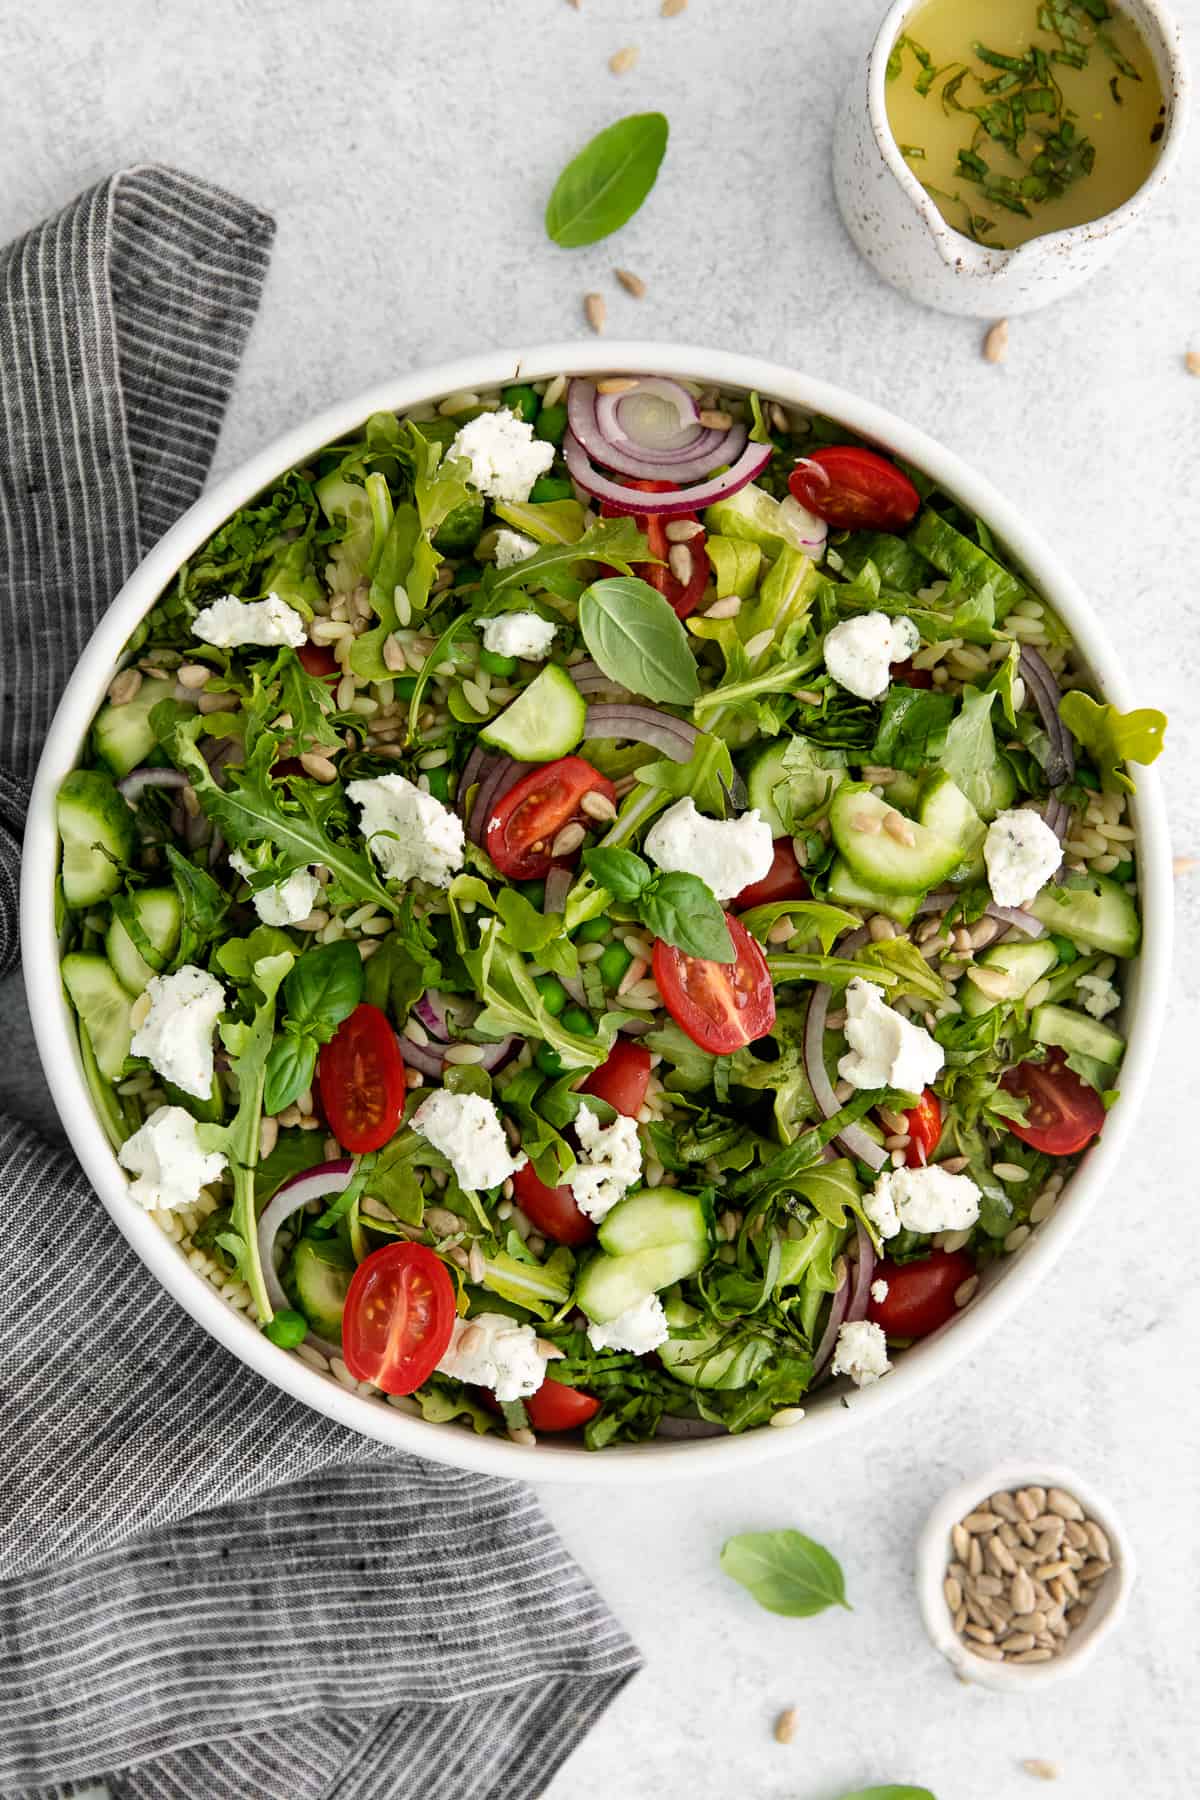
[934, 1554]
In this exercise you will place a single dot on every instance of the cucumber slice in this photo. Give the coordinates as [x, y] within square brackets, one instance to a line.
[318, 1280]
[903, 792]
[763, 776]
[1098, 913]
[845, 887]
[123, 735]
[97, 832]
[945, 809]
[103, 1006]
[857, 820]
[1075, 1032]
[690, 1359]
[610, 1285]
[655, 1217]
[157, 913]
[807, 789]
[543, 723]
[1021, 965]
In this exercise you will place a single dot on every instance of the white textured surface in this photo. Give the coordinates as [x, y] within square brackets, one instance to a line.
[406, 151]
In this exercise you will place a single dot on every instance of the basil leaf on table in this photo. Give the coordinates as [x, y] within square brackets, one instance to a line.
[890, 1792]
[603, 186]
[634, 635]
[786, 1572]
[622, 872]
[682, 910]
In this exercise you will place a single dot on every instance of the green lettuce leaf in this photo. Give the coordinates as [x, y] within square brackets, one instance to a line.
[1113, 738]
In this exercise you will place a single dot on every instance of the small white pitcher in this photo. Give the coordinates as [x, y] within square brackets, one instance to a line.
[900, 231]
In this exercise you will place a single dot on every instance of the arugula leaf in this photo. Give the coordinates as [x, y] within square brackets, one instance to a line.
[735, 563]
[638, 641]
[826, 922]
[706, 775]
[912, 730]
[203, 903]
[970, 756]
[617, 542]
[606, 182]
[513, 1004]
[683, 911]
[786, 1572]
[1112, 738]
[901, 959]
[255, 552]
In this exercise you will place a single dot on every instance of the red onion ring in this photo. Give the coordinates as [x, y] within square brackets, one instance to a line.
[590, 679]
[473, 771]
[837, 1314]
[671, 1427]
[751, 462]
[1017, 917]
[430, 1059]
[609, 444]
[493, 787]
[683, 442]
[558, 886]
[132, 786]
[854, 1140]
[860, 1296]
[314, 1184]
[1060, 764]
[675, 738]
[431, 1011]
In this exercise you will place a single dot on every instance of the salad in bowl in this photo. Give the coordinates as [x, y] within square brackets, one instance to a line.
[601, 907]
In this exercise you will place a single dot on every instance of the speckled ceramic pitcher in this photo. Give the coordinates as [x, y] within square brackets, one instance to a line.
[900, 231]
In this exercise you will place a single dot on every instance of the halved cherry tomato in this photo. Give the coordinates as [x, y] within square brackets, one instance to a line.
[920, 1295]
[557, 1407]
[361, 1073]
[1064, 1113]
[622, 1078]
[721, 1006]
[525, 822]
[855, 490]
[784, 880]
[399, 1317]
[924, 1127]
[552, 1210]
[904, 673]
[683, 596]
[319, 660]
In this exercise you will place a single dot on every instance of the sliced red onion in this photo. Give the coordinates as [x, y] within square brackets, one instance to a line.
[430, 1059]
[493, 788]
[217, 848]
[574, 987]
[751, 462]
[216, 753]
[314, 1184]
[635, 1027]
[634, 411]
[590, 679]
[132, 786]
[674, 737]
[1058, 817]
[860, 1295]
[431, 1011]
[595, 421]
[1039, 678]
[669, 1426]
[1017, 917]
[558, 885]
[197, 830]
[855, 1141]
[473, 771]
[837, 1315]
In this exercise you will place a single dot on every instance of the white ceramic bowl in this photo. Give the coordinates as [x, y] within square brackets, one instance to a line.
[831, 1411]
[933, 1554]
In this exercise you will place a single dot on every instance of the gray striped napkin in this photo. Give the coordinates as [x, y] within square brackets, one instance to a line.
[206, 1591]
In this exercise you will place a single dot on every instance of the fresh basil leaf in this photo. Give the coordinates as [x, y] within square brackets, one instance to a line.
[623, 873]
[1113, 738]
[890, 1792]
[324, 987]
[786, 1572]
[637, 640]
[682, 910]
[603, 186]
[290, 1067]
[912, 730]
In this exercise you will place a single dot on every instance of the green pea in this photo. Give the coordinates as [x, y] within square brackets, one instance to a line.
[1086, 776]
[404, 686]
[534, 892]
[551, 424]
[576, 1020]
[592, 931]
[497, 665]
[523, 401]
[554, 994]
[552, 487]
[613, 964]
[547, 1059]
[1067, 953]
[467, 573]
[1122, 872]
[287, 1329]
[439, 783]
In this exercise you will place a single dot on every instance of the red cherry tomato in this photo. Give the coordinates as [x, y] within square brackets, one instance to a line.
[557, 1407]
[525, 822]
[622, 1078]
[362, 1080]
[319, 660]
[924, 1127]
[855, 490]
[784, 880]
[683, 596]
[920, 1295]
[552, 1210]
[399, 1317]
[721, 1006]
[904, 673]
[1064, 1113]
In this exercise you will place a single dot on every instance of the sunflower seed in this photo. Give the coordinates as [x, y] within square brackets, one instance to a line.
[953, 1592]
[1064, 1504]
[989, 1652]
[616, 384]
[759, 642]
[319, 767]
[1033, 1656]
[995, 344]
[898, 827]
[714, 418]
[785, 1725]
[980, 1634]
[597, 806]
[679, 561]
[680, 531]
[727, 608]
[595, 311]
[1021, 1592]
[568, 839]
[988, 1585]
[1005, 1506]
[1093, 1570]
[975, 1558]
[671, 9]
[621, 61]
[1000, 1556]
[633, 284]
[960, 1541]
[1040, 1768]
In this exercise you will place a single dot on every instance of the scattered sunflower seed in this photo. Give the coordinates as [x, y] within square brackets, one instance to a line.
[621, 61]
[785, 1725]
[595, 311]
[671, 9]
[633, 284]
[1192, 362]
[995, 344]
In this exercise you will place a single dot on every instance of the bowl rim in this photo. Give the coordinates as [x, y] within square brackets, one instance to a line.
[830, 1414]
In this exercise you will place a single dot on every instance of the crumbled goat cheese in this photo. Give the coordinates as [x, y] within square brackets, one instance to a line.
[523, 634]
[610, 1164]
[505, 457]
[861, 1352]
[886, 1049]
[166, 1158]
[284, 902]
[412, 835]
[728, 854]
[467, 1129]
[1099, 995]
[512, 547]
[229, 622]
[176, 1036]
[493, 1351]
[924, 1200]
[1021, 853]
[639, 1328]
[859, 652]
[879, 1292]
